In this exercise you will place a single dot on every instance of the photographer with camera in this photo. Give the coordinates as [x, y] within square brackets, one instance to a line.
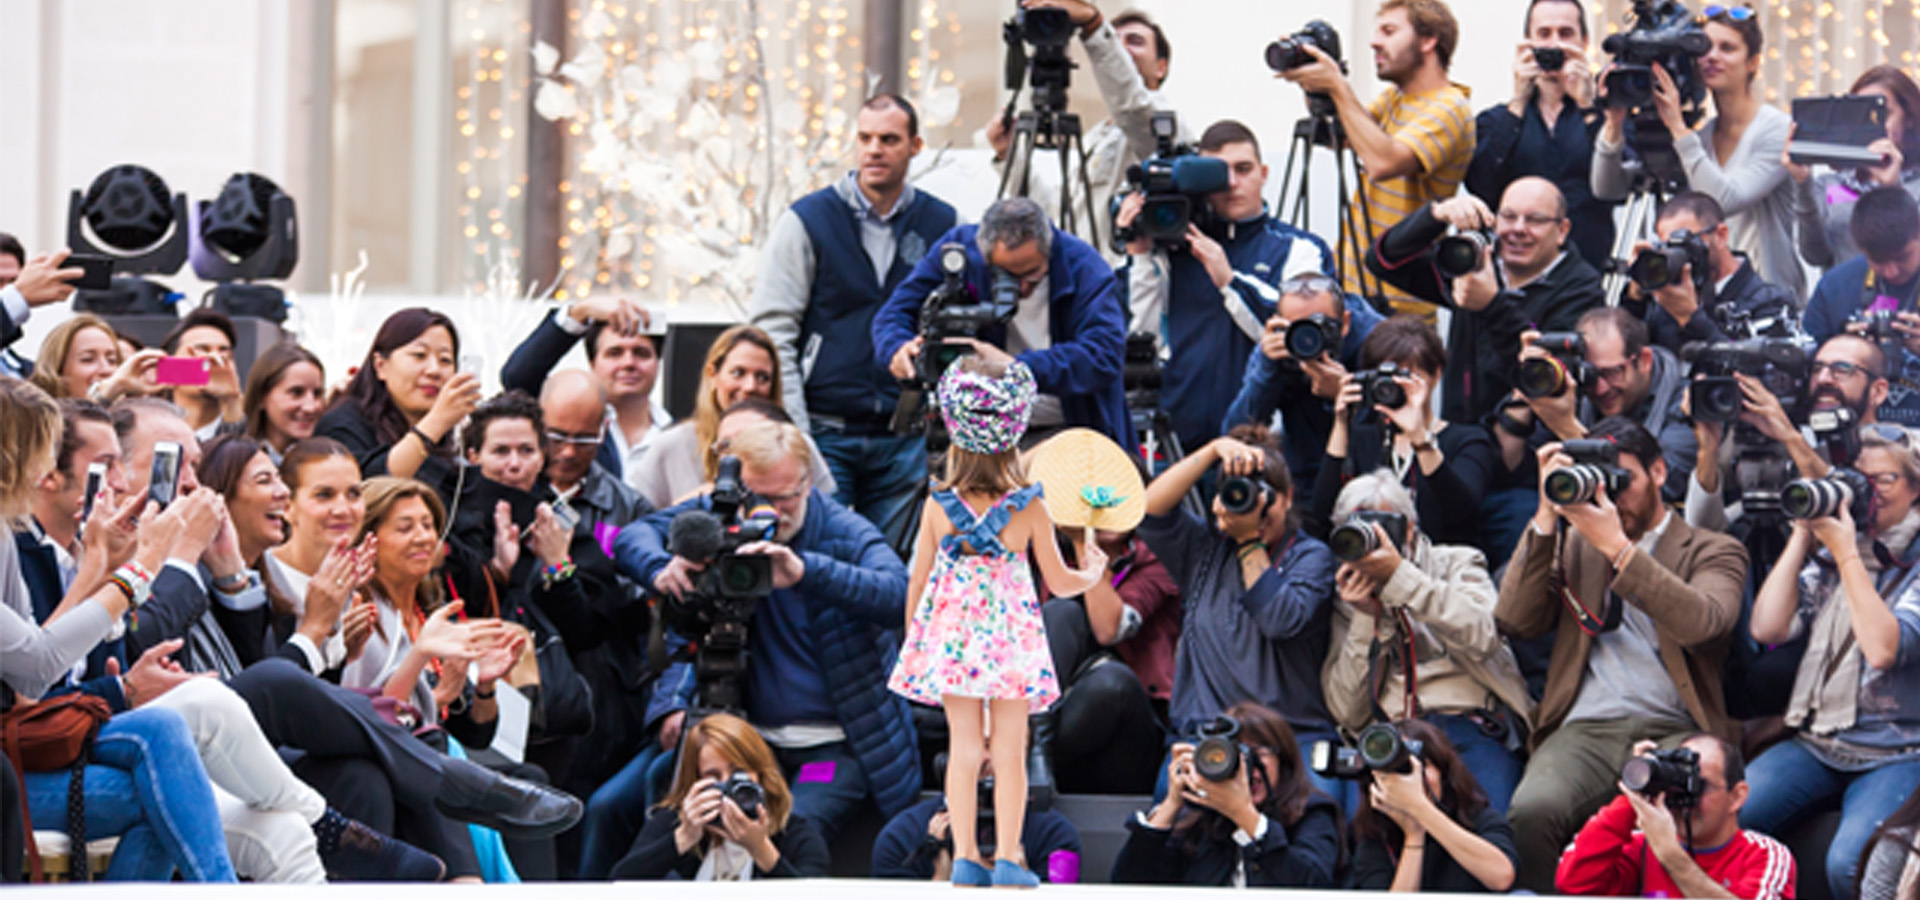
[1210, 298]
[1883, 282]
[1240, 811]
[1641, 605]
[1605, 368]
[1823, 203]
[1312, 341]
[1384, 419]
[1130, 58]
[1062, 312]
[1413, 141]
[1414, 636]
[1702, 289]
[1548, 126]
[1426, 825]
[917, 845]
[1734, 157]
[817, 637]
[1674, 831]
[1500, 274]
[1846, 582]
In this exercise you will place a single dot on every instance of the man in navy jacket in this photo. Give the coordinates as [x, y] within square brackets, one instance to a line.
[1073, 335]
[819, 647]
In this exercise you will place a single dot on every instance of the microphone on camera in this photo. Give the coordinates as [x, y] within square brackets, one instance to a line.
[696, 535]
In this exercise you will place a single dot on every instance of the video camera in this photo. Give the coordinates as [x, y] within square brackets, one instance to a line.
[1780, 364]
[949, 313]
[1379, 749]
[1356, 538]
[1821, 498]
[1046, 68]
[1175, 182]
[1460, 253]
[1675, 773]
[714, 615]
[1596, 464]
[1290, 52]
[1566, 367]
[1659, 265]
[1663, 33]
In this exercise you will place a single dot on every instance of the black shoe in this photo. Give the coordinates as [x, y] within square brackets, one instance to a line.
[361, 854]
[1040, 785]
[516, 808]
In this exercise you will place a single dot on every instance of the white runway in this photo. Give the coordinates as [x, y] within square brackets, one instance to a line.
[651, 890]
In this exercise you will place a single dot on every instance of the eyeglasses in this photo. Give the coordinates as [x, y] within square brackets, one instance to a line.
[1310, 284]
[1614, 375]
[1841, 369]
[1739, 13]
[1886, 479]
[577, 440]
[806, 484]
[1509, 218]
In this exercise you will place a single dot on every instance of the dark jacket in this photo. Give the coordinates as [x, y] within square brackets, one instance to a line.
[1302, 855]
[855, 588]
[1507, 149]
[1483, 348]
[348, 425]
[1375, 860]
[1846, 290]
[654, 857]
[1448, 501]
[1088, 325]
[1766, 309]
[905, 851]
[527, 369]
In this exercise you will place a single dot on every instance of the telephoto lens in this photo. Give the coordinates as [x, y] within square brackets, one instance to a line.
[1577, 483]
[1242, 495]
[1384, 750]
[1460, 254]
[1657, 267]
[1542, 376]
[1815, 498]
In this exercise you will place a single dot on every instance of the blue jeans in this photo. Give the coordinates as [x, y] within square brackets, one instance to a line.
[1496, 768]
[876, 476]
[147, 785]
[1787, 782]
[618, 809]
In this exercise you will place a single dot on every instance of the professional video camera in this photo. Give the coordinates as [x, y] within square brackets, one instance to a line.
[1217, 751]
[1290, 52]
[1460, 253]
[1820, 498]
[1566, 367]
[1666, 34]
[1046, 68]
[1379, 749]
[951, 312]
[1175, 181]
[714, 615]
[1356, 538]
[1596, 464]
[1675, 773]
[745, 793]
[1659, 265]
[1780, 364]
[1378, 387]
[1313, 337]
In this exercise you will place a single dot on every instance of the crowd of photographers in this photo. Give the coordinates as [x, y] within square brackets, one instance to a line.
[1607, 589]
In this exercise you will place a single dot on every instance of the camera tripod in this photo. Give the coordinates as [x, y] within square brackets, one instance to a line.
[1059, 131]
[1636, 224]
[1321, 128]
[1154, 429]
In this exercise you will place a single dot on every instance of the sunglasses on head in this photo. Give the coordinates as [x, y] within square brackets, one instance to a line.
[1893, 433]
[1735, 13]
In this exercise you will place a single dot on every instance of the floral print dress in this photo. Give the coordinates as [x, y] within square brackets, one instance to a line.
[978, 631]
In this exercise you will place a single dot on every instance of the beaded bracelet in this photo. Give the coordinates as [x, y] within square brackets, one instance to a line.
[560, 572]
[1249, 547]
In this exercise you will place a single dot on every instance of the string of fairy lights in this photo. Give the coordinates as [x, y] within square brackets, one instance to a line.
[1818, 47]
[489, 54]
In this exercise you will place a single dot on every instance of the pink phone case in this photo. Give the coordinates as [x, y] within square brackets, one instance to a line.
[185, 370]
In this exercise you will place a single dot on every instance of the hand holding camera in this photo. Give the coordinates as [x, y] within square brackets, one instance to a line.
[1578, 479]
[1403, 797]
[788, 567]
[1359, 590]
[1210, 254]
[1371, 541]
[1303, 60]
[1526, 71]
[1553, 372]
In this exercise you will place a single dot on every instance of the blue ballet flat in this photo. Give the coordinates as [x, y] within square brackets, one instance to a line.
[1006, 874]
[967, 873]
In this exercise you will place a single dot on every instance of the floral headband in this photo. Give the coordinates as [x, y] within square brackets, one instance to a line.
[987, 415]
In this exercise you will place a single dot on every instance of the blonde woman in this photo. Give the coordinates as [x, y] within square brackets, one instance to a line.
[80, 358]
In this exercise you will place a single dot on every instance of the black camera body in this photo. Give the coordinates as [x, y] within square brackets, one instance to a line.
[1290, 52]
[1380, 748]
[1780, 364]
[1550, 59]
[1217, 751]
[1675, 773]
[1175, 182]
[1596, 464]
[1313, 337]
[1045, 67]
[745, 793]
[1876, 325]
[1566, 367]
[1378, 387]
[1461, 253]
[1667, 34]
[1356, 538]
[1660, 265]
[1821, 498]
[1241, 494]
[949, 314]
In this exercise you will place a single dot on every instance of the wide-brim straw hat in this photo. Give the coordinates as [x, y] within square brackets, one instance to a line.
[1089, 480]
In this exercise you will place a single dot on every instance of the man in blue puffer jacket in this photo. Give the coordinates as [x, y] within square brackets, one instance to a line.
[818, 648]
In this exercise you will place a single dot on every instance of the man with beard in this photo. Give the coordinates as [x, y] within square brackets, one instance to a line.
[1415, 140]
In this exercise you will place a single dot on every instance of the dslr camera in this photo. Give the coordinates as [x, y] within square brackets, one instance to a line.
[1876, 325]
[1675, 773]
[1290, 52]
[1567, 367]
[1596, 464]
[745, 793]
[1460, 253]
[1820, 498]
[1659, 265]
[1550, 59]
[1313, 337]
[1217, 751]
[1242, 494]
[1378, 387]
[1380, 748]
[950, 313]
[1714, 395]
[1175, 182]
[1356, 538]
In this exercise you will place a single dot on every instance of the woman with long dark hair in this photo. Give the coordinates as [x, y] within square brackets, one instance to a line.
[1265, 826]
[1823, 203]
[399, 412]
[286, 393]
[1431, 828]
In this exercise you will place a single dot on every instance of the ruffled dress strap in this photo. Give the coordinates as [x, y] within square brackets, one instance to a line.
[982, 532]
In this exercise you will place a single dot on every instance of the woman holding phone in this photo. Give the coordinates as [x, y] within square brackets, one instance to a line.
[399, 412]
[80, 358]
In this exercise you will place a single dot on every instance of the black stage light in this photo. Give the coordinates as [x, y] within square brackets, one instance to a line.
[247, 233]
[128, 214]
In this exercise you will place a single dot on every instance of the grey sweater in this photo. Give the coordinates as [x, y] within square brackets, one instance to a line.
[1753, 189]
[32, 658]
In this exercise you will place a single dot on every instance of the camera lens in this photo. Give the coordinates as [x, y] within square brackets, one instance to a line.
[1384, 391]
[1542, 376]
[1459, 255]
[1550, 59]
[1353, 540]
[1573, 484]
[1815, 498]
[1305, 340]
[1638, 774]
[1240, 495]
[1716, 399]
[1285, 54]
[1216, 759]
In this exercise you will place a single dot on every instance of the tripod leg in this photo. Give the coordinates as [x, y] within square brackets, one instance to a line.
[1066, 187]
[1086, 188]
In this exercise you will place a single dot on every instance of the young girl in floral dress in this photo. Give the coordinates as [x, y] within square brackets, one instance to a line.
[974, 634]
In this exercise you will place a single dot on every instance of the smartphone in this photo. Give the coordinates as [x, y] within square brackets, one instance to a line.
[97, 271]
[165, 480]
[191, 371]
[565, 514]
[1836, 130]
[96, 479]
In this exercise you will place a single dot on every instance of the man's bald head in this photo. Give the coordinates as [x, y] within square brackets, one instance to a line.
[1534, 191]
[574, 405]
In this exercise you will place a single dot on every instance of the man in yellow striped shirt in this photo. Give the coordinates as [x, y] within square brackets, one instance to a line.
[1414, 141]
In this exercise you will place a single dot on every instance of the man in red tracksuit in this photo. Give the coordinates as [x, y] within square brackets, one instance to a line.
[1636, 846]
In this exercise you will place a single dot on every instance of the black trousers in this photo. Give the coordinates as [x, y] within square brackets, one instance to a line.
[1107, 739]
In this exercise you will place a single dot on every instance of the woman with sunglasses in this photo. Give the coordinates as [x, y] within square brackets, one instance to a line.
[1823, 203]
[1855, 707]
[1734, 157]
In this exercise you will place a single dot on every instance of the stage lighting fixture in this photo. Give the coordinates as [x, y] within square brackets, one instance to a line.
[128, 214]
[247, 233]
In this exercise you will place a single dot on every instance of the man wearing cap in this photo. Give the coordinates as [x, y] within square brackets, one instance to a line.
[624, 352]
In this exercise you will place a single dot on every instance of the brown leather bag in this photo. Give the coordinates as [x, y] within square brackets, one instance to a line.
[51, 736]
